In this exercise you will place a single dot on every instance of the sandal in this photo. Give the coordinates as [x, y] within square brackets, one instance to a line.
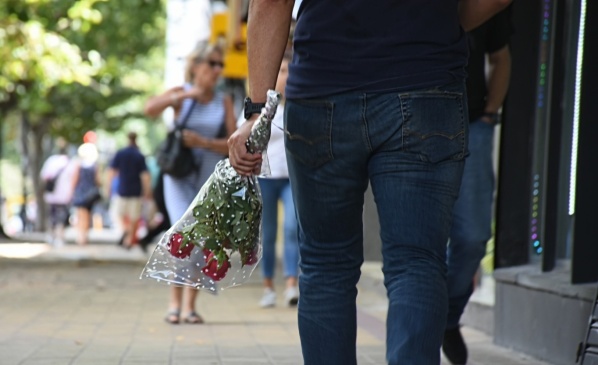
[193, 318]
[173, 317]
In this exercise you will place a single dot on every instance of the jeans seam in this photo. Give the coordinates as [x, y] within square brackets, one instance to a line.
[404, 127]
[364, 118]
[463, 135]
[330, 111]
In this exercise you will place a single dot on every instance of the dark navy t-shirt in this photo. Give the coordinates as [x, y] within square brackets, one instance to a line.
[130, 163]
[375, 46]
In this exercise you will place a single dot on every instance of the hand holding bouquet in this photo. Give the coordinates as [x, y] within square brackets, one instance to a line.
[218, 239]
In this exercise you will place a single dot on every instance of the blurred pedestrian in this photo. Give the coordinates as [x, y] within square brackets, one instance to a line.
[57, 176]
[111, 197]
[277, 187]
[159, 222]
[375, 94]
[134, 185]
[211, 120]
[86, 184]
[472, 214]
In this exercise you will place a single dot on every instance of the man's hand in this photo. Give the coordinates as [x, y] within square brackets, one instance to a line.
[242, 161]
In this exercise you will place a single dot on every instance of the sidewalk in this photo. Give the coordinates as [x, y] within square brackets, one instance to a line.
[86, 305]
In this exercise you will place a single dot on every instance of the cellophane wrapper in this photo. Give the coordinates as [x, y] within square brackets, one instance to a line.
[217, 243]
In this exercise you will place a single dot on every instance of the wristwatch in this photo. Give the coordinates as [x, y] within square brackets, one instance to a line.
[251, 108]
[493, 117]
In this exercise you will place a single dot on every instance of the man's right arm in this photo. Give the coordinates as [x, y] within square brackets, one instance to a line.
[498, 79]
[267, 36]
[473, 13]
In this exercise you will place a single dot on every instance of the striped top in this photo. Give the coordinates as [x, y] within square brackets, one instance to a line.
[207, 120]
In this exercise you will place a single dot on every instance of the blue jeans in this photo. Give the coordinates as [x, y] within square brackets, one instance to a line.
[472, 219]
[274, 190]
[410, 146]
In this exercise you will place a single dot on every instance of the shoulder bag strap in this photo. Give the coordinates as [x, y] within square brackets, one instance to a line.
[183, 118]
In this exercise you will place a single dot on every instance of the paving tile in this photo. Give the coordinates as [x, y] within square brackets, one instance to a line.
[96, 313]
[46, 361]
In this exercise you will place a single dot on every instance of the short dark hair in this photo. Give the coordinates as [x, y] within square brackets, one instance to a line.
[132, 137]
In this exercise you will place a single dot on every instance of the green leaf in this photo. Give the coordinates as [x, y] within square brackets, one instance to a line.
[241, 230]
[204, 230]
[211, 244]
[76, 63]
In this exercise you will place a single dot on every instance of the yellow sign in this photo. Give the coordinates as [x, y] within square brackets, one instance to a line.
[233, 39]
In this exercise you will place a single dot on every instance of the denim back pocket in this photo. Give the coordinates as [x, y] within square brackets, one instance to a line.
[434, 125]
[308, 131]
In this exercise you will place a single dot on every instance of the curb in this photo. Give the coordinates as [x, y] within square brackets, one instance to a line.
[45, 253]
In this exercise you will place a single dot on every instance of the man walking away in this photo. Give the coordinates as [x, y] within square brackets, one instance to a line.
[134, 184]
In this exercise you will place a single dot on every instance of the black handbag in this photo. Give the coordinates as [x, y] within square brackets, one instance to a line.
[92, 196]
[173, 157]
[50, 184]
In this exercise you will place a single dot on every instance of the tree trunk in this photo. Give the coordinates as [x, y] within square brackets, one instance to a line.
[37, 158]
[24, 169]
[33, 156]
[3, 234]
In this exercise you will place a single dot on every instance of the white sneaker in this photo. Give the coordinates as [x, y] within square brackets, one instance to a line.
[291, 296]
[58, 243]
[268, 299]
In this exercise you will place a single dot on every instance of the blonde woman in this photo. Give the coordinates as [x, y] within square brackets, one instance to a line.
[86, 191]
[211, 121]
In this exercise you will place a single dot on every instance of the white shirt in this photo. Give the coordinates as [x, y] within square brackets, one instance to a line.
[63, 189]
[277, 157]
[296, 8]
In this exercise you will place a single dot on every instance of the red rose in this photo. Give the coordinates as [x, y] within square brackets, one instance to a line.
[226, 243]
[251, 258]
[175, 249]
[213, 269]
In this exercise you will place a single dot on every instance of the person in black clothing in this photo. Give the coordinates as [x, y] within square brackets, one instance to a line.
[472, 214]
[133, 186]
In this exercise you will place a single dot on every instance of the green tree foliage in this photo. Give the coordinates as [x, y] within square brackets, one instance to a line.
[72, 66]
[68, 64]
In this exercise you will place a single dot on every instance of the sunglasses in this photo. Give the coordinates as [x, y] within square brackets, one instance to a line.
[214, 64]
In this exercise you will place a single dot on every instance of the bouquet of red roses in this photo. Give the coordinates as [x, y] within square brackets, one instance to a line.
[217, 242]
